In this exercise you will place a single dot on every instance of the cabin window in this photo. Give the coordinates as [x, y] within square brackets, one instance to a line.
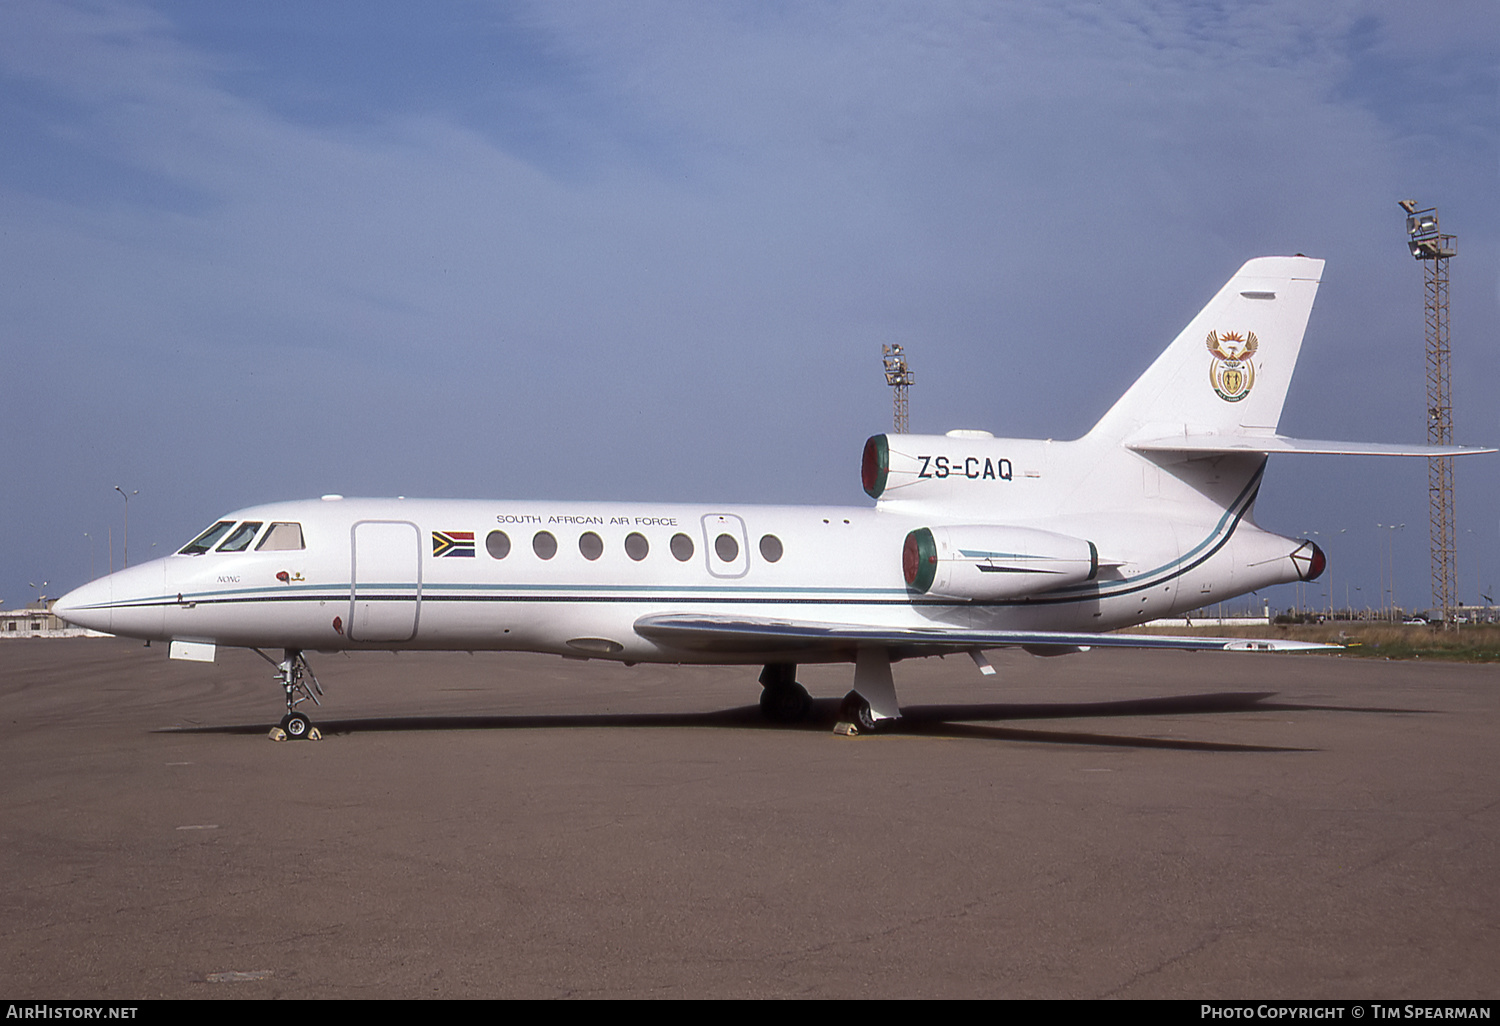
[240, 538]
[591, 545]
[727, 548]
[682, 547]
[281, 538]
[497, 544]
[205, 541]
[770, 548]
[544, 545]
[636, 546]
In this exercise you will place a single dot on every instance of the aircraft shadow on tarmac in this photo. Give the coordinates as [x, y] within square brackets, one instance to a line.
[975, 722]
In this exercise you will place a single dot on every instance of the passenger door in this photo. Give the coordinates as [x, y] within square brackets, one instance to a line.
[385, 584]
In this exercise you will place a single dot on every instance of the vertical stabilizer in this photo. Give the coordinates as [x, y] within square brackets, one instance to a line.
[1227, 373]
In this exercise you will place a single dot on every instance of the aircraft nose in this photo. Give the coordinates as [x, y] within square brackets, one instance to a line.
[129, 602]
[87, 606]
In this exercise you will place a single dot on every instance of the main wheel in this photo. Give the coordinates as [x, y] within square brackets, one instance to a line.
[296, 726]
[785, 703]
[857, 711]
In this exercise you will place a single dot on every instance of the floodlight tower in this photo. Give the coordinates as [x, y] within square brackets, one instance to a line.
[899, 377]
[1434, 249]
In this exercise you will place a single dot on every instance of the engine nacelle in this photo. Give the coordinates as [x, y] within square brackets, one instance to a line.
[993, 562]
[940, 467]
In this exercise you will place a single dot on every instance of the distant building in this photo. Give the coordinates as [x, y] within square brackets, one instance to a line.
[1217, 616]
[38, 621]
[1464, 614]
[1201, 619]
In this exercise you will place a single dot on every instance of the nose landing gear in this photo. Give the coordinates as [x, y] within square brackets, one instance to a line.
[300, 684]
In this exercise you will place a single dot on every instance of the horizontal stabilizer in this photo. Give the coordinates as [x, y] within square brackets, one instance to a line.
[724, 634]
[1266, 444]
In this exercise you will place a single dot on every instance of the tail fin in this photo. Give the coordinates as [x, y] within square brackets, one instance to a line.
[1228, 372]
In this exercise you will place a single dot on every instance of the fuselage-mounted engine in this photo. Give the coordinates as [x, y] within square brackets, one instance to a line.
[994, 562]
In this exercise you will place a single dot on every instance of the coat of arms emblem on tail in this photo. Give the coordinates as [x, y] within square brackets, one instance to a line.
[1232, 372]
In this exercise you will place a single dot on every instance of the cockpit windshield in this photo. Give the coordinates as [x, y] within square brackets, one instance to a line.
[239, 539]
[278, 537]
[205, 541]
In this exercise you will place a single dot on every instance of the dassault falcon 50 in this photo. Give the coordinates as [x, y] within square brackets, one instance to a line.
[973, 543]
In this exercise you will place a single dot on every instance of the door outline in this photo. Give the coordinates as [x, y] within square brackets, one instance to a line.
[715, 524]
[386, 599]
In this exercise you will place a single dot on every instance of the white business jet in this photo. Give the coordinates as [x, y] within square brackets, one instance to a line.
[974, 543]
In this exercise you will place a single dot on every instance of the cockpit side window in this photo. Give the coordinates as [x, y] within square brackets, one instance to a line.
[205, 541]
[240, 538]
[281, 537]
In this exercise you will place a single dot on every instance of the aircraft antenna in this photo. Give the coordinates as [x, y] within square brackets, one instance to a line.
[899, 376]
[1434, 250]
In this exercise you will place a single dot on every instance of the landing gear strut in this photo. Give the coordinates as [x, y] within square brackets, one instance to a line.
[291, 672]
[782, 699]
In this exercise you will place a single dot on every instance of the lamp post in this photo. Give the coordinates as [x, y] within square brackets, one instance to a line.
[1328, 539]
[1391, 575]
[127, 519]
[899, 376]
[1428, 244]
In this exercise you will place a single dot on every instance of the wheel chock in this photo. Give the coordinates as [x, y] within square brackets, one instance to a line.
[313, 734]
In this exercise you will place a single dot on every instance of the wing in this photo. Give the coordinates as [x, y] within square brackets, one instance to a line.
[752, 635]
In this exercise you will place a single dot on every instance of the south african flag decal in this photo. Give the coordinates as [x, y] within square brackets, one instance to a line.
[453, 543]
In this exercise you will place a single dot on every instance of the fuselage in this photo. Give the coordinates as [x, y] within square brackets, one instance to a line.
[572, 578]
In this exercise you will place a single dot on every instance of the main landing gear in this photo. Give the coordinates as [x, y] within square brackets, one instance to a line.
[854, 709]
[782, 699]
[291, 672]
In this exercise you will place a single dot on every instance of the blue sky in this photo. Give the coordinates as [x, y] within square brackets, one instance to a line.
[651, 250]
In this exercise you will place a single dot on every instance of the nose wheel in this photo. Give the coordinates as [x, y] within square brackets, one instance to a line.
[300, 684]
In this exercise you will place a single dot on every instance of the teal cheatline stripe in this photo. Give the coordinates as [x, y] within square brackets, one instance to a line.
[1199, 554]
[455, 590]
